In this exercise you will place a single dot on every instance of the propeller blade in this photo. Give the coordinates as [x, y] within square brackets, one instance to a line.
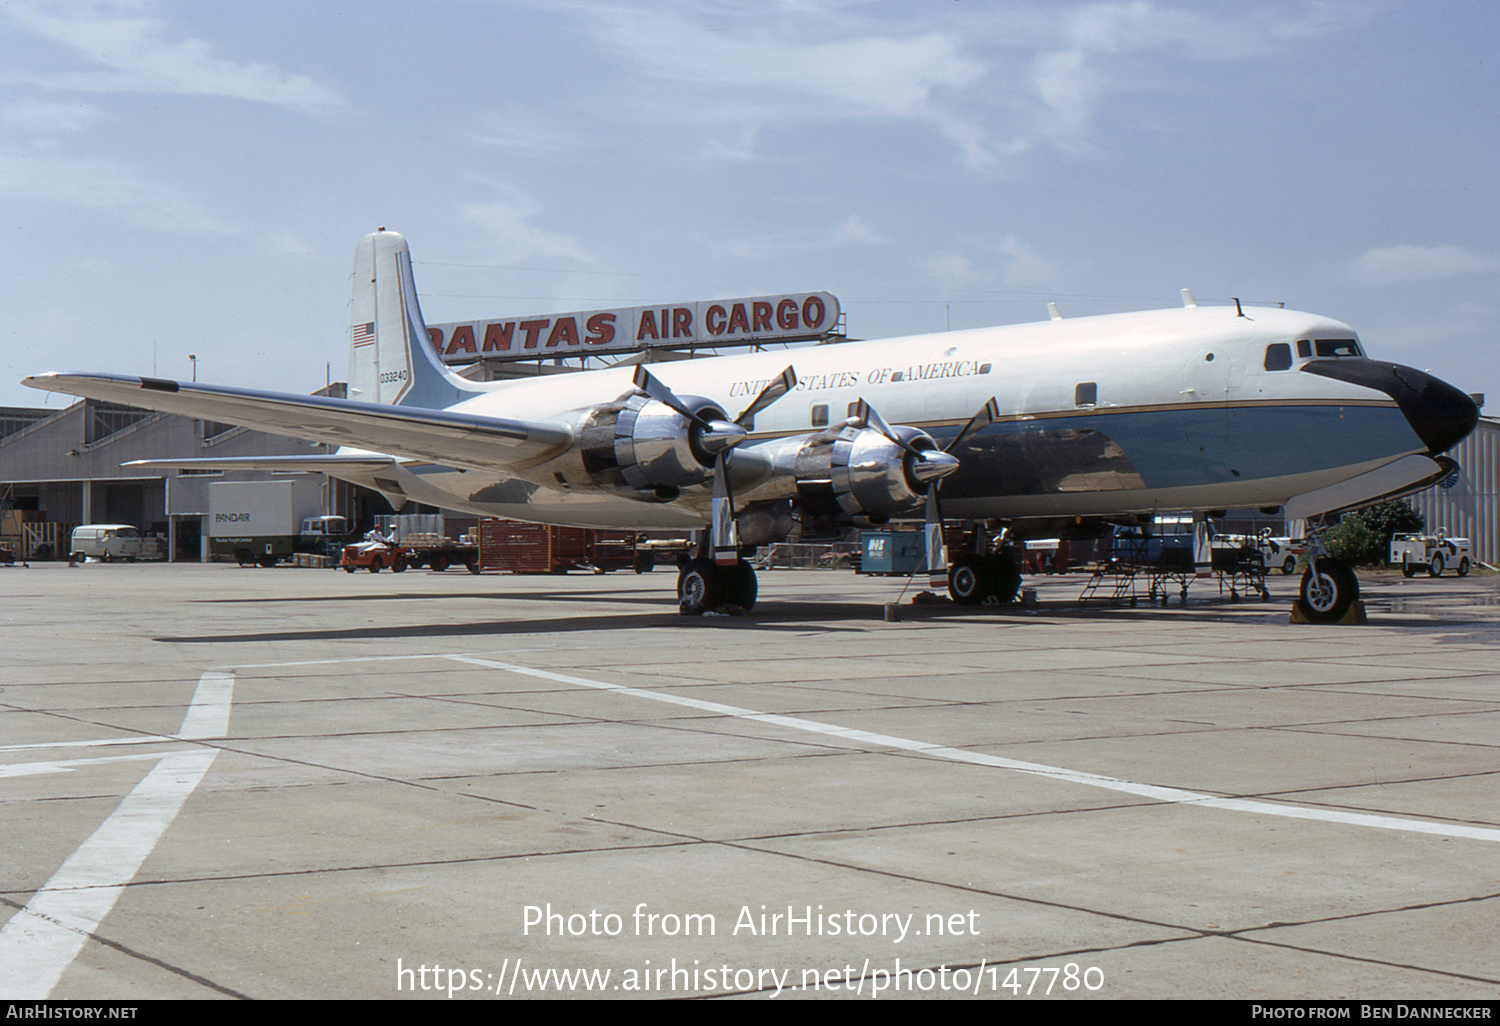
[936, 548]
[865, 414]
[986, 416]
[648, 383]
[783, 384]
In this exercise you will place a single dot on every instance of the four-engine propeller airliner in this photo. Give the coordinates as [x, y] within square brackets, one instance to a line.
[1020, 429]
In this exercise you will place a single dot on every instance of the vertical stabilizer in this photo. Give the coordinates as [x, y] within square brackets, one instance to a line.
[390, 357]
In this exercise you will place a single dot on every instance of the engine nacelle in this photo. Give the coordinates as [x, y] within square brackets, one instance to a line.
[647, 448]
[863, 472]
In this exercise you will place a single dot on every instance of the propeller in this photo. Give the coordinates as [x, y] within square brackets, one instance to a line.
[717, 438]
[937, 549]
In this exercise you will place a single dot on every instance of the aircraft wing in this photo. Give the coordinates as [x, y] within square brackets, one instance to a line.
[461, 440]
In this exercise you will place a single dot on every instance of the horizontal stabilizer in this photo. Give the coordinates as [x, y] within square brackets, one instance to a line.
[444, 437]
[314, 464]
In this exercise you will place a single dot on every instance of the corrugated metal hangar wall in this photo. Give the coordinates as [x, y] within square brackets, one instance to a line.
[1471, 508]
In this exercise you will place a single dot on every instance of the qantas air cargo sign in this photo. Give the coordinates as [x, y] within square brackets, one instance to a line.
[721, 322]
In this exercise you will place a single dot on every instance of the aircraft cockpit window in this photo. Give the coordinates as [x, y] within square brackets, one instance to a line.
[1337, 347]
[1278, 356]
[1304, 349]
[1086, 393]
[820, 415]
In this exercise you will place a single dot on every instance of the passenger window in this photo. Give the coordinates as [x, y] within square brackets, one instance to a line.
[1086, 393]
[820, 415]
[1278, 356]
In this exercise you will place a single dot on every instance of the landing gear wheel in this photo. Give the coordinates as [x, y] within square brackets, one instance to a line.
[1435, 568]
[973, 580]
[1329, 588]
[740, 588]
[965, 583]
[1005, 579]
[699, 587]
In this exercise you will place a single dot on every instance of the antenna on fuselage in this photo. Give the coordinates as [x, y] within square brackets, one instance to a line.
[1237, 311]
[1052, 312]
[1188, 300]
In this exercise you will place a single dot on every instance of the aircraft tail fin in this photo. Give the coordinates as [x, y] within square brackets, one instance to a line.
[390, 356]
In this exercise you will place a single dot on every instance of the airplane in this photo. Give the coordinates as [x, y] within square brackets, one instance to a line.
[1034, 429]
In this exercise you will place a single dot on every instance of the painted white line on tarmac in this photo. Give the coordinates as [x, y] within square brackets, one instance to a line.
[40, 941]
[32, 769]
[1163, 794]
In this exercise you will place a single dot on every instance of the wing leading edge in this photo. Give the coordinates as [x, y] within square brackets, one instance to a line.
[460, 440]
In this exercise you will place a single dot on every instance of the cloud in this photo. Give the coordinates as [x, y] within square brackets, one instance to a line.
[50, 118]
[141, 59]
[1011, 264]
[1398, 265]
[516, 238]
[106, 185]
[994, 81]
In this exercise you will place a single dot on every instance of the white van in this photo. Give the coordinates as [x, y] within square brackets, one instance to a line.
[107, 542]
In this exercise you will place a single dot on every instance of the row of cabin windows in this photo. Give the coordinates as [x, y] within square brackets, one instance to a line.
[1085, 393]
[1278, 357]
[1279, 354]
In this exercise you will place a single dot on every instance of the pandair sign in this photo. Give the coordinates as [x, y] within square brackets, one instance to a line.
[796, 316]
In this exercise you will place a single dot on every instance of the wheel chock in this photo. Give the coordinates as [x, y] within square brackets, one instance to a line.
[1355, 617]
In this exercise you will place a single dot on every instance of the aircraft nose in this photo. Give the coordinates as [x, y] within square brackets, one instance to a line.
[1440, 414]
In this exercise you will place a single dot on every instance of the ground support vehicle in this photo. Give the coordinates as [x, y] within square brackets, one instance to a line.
[421, 539]
[109, 542]
[1281, 553]
[259, 522]
[1433, 553]
[373, 556]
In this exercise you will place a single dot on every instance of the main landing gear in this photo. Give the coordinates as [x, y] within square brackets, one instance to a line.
[976, 580]
[704, 586]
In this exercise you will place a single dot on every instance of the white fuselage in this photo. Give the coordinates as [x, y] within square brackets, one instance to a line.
[1167, 409]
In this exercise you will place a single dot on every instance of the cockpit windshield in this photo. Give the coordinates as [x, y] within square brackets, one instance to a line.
[1337, 347]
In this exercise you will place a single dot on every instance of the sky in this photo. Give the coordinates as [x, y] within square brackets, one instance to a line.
[185, 178]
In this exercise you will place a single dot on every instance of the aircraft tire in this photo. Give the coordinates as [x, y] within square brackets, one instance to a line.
[699, 588]
[1004, 579]
[1435, 568]
[966, 582]
[1329, 588]
[1463, 567]
[740, 588]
